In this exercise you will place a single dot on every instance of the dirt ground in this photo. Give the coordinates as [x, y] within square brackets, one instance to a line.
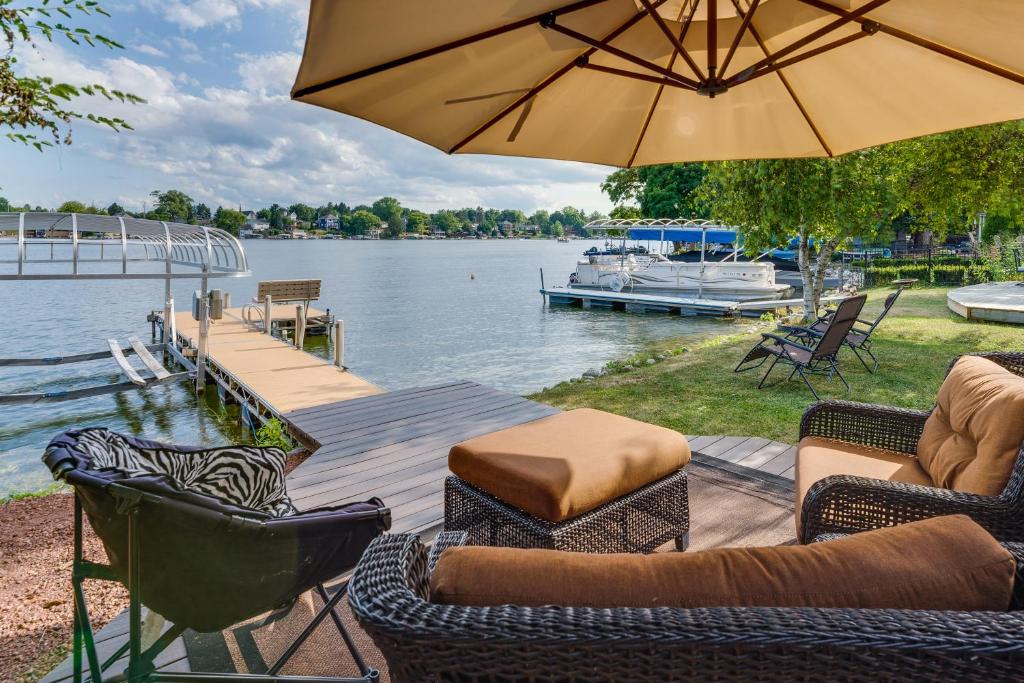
[35, 585]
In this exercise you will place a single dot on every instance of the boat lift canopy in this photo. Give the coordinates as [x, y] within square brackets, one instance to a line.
[74, 246]
[668, 230]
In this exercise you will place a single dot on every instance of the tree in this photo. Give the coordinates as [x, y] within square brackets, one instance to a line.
[172, 205]
[662, 191]
[823, 202]
[276, 217]
[115, 209]
[446, 221]
[229, 219]
[72, 206]
[202, 212]
[4, 204]
[303, 212]
[625, 211]
[39, 103]
[361, 222]
[417, 222]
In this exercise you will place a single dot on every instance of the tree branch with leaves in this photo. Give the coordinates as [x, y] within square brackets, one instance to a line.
[30, 103]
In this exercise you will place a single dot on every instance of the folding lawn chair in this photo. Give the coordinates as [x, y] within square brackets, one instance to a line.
[821, 358]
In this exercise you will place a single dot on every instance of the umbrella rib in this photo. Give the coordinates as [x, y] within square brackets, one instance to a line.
[747, 18]
[846, 18]
[452, 45]
[675, 42]
[748, 75]
[661, 88]
[962, 57]
[532, 92]
[660, 80]
[622, 54]
[785, 83]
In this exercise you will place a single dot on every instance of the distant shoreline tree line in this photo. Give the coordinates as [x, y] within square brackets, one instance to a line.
[386, 215]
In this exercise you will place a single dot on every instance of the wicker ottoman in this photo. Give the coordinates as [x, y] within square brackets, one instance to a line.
[584, 480]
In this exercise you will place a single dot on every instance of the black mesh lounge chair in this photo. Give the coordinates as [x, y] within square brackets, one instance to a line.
[425, 641]
[858, 339]
[819, 357]
[1019, 263]
[200, 563]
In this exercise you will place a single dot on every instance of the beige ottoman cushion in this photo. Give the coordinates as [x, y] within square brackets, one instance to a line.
[562, 466]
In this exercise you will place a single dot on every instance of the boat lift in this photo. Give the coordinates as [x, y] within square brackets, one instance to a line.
[71, 246]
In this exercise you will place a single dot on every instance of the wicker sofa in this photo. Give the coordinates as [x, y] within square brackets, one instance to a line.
[423, 641]
[846, 504]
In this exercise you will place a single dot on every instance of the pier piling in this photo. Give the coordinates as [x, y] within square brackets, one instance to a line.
[300, 327]
[339, 343]
[268, 323]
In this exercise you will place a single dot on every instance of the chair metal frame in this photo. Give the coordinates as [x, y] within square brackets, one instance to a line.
[857, 340]
[141, 667]
[823, 358]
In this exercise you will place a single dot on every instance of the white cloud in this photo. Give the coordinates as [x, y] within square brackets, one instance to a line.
[249, 143]
[198, 14]
[150, 50]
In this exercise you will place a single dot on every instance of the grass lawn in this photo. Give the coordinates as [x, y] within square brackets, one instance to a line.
[696, 392]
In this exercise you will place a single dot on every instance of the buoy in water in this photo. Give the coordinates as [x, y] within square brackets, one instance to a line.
[472, 276]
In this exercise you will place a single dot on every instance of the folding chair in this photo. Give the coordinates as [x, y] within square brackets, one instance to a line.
[200, 563]
[858, 339]
[820, 359]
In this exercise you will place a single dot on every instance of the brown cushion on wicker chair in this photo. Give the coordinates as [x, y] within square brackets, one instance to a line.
[561, 466]
[944, 563]
[971, 440]
[817, 458]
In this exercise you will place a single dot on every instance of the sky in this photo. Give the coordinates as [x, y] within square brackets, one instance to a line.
[219, 125]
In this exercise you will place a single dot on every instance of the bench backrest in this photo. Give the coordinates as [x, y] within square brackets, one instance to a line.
[288, 290]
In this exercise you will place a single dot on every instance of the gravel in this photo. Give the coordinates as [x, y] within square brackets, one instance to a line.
[35, 583]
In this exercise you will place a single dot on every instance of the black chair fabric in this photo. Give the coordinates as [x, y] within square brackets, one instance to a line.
[204, 564]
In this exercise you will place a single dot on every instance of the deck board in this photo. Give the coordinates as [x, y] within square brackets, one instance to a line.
[395, 446]
[752, 452]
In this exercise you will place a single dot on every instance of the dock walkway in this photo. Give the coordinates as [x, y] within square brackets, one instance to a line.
[267, 374]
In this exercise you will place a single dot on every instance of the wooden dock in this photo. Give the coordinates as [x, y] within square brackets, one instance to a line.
[994, 301]
[660, 303]
[266, 374]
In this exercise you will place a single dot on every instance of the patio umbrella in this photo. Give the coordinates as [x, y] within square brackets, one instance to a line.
[635, 82]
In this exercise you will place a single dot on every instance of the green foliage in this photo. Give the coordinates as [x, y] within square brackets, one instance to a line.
[172, 205]
[40, 103]
[417, 222]
[115, 209]
[273, 434]
[361, 222]
[662, 191]
[202, 212]
[229, 219]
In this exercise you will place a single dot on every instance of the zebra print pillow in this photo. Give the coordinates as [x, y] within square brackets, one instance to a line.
[244, 476]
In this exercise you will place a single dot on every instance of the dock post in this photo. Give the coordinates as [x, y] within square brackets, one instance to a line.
[227, 299]
[300, 327]
[168, 312]
[268, 323]
[339, 343]
[204, 333]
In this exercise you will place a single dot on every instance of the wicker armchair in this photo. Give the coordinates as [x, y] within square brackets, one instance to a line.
[423, 641]
[846, 504]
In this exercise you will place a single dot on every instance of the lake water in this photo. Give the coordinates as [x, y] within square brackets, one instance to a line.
[415, 312]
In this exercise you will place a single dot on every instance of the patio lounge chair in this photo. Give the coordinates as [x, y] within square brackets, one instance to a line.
[819, 357]
[858, 339]
[196, 560]
[1019, 263]
[861, 466]
[424, 640]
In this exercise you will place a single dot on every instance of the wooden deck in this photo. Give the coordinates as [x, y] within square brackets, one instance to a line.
[751, 452]
[273, 372]
[395, 446]
[995, 301]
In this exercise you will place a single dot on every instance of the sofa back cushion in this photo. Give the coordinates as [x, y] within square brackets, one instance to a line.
[944, 563]
[971, 440]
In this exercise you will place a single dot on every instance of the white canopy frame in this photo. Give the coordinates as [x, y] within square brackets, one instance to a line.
[94, 247]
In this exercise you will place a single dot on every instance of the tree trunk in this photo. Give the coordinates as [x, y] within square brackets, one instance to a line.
[807, 277]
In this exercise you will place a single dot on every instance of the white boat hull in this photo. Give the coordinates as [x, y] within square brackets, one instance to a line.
[730, 280]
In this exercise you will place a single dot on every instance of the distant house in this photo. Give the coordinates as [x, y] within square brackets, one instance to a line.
[257, 224]
[530, 228]
[249, 215]
[327, 222]
[506, 226]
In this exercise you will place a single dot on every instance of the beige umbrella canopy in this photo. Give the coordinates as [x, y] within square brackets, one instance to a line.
[636, 82]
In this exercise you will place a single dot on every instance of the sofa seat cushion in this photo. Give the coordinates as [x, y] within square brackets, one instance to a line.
[817, 458]
[944, 563]
[562, 466]
[971, 440]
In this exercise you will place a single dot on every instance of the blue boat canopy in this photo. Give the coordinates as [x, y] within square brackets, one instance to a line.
[714, 236]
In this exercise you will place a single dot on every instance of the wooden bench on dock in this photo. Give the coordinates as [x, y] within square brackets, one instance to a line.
[288, 291]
